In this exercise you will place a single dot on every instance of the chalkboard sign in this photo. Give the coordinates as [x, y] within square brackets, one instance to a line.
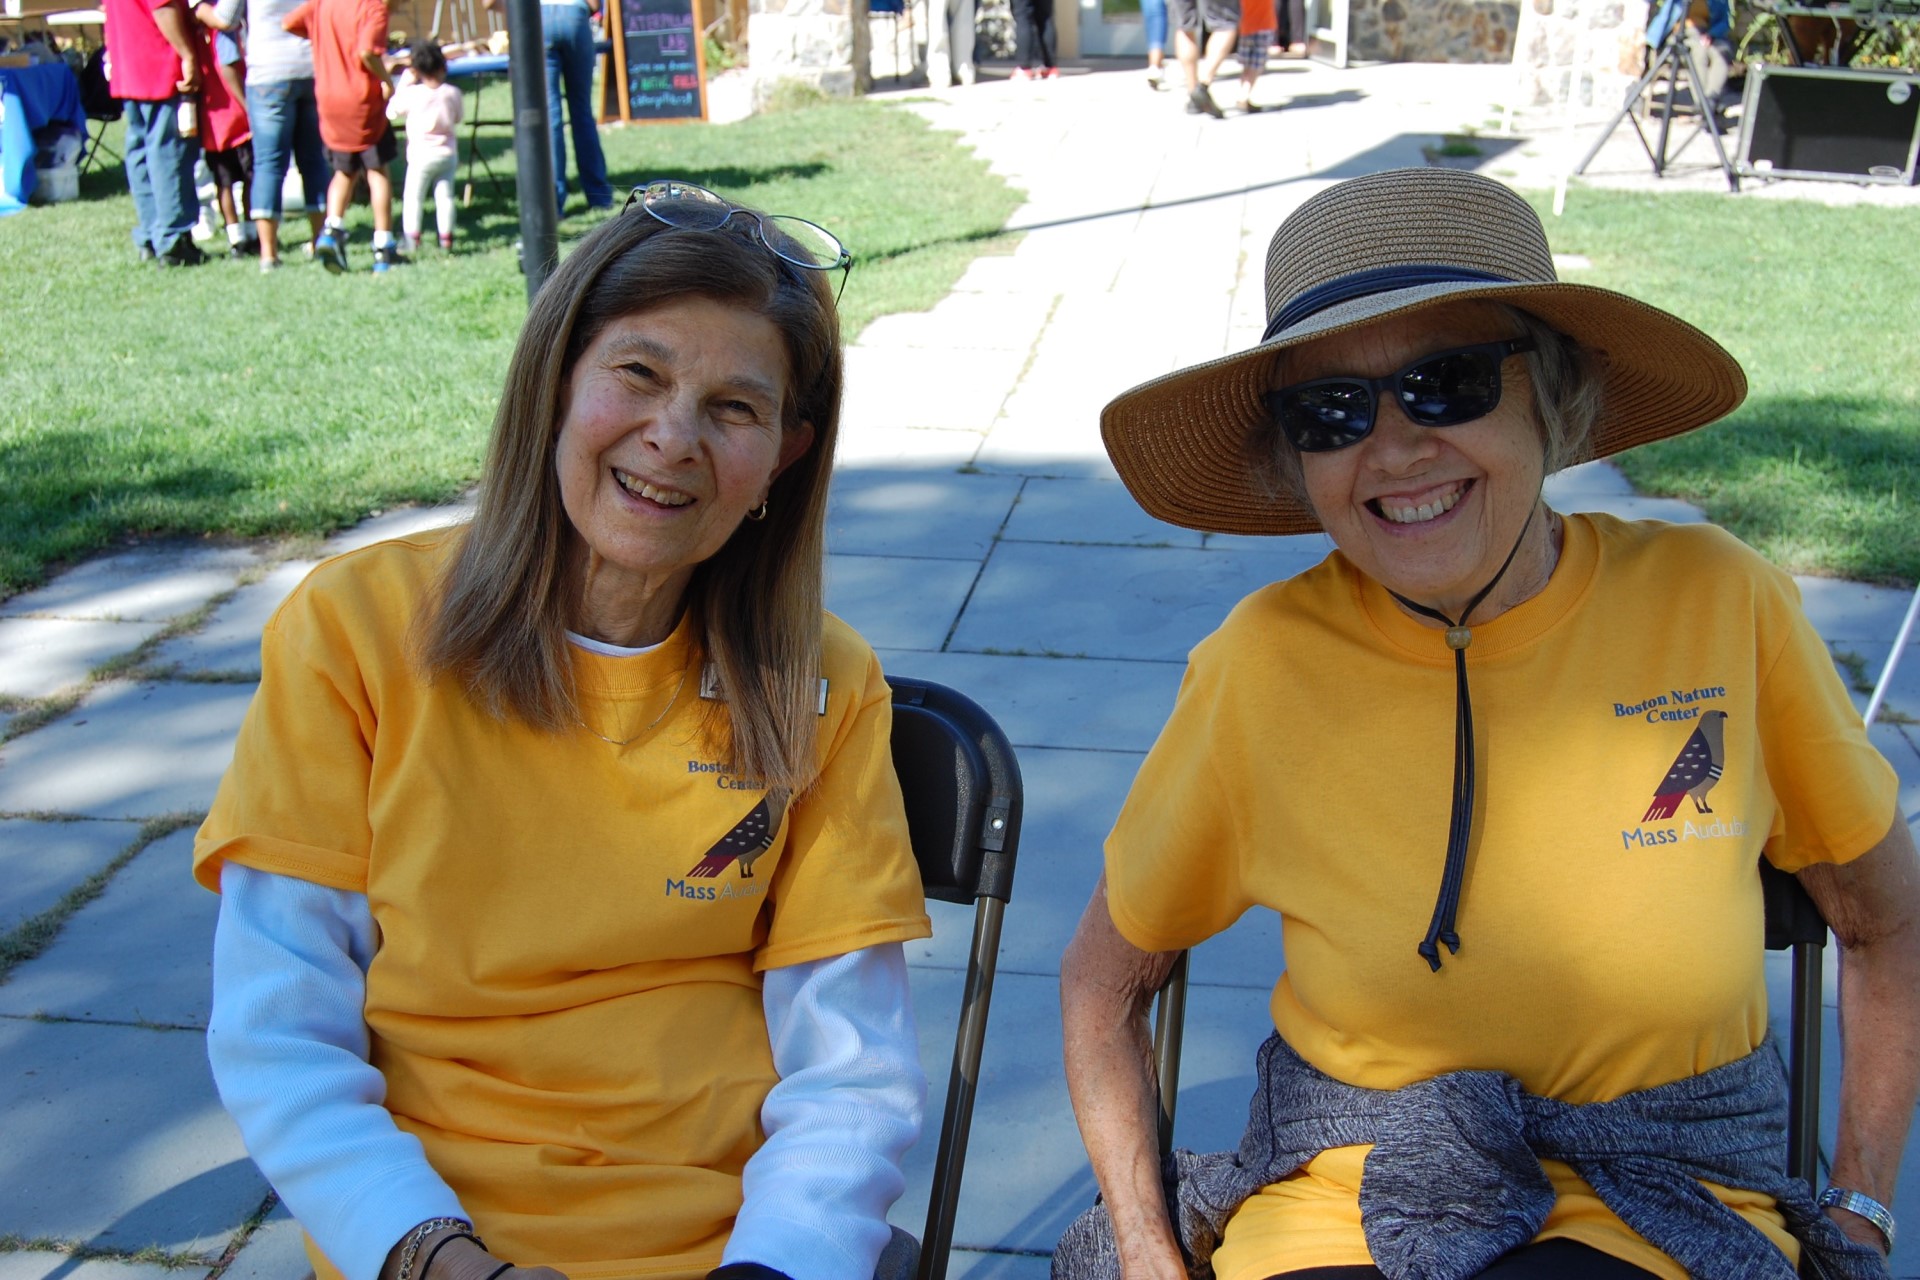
[659, 62]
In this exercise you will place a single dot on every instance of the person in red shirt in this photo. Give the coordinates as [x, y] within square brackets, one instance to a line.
[152, 68]
[226, 135]
[350, 80]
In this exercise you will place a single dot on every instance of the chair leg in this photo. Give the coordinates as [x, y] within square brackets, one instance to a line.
[1803, 1067]
[1169, 1021]
[950, 1162]
[96, 143]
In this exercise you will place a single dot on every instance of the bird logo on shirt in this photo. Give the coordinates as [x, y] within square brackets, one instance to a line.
[750, 837]
[1695, 770]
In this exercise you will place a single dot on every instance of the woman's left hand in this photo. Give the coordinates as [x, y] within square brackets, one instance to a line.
[1873, 906]
[1859, 1230]
[464, 1259]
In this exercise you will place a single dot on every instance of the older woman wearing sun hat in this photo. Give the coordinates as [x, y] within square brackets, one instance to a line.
[1506, 776]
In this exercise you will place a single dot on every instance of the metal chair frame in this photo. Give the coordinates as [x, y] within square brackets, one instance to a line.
[95, 142]
[1793, 923]
[963, 797]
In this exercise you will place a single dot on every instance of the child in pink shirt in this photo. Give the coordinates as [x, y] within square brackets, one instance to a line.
[432, 109]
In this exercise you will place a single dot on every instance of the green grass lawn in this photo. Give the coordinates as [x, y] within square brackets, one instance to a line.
[216, 400]
[1820, 468]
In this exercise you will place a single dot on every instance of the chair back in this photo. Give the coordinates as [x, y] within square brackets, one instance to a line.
[962, 788]
[1793, 923]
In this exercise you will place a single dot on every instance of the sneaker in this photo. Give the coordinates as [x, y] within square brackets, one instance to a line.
[269, 265]
[388, 256]
[1201, 100]
[1050, 73]
[240, 251]
[145, 254]
[331, 249]
[1021, 73]
[1156, 80]
[446, 243]
[182, 253]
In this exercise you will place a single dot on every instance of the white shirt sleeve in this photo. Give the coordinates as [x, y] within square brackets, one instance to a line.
[288, 1044]
[846, 1109]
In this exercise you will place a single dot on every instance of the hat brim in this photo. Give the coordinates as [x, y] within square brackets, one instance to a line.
[1180, 442]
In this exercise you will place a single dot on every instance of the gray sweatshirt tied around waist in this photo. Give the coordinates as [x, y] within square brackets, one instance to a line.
[1454, 1177]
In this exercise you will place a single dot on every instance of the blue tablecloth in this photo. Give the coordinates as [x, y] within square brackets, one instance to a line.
[495, 64]
[35, 97]
[477, 64]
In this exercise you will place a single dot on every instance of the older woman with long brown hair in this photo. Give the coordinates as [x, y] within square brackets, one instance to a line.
[563, 868]
[1506, 776]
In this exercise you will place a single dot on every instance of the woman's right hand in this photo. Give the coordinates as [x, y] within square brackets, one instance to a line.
[1106, 984]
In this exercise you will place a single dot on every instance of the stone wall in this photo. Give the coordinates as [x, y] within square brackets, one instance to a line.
[823, 44]
[1578, 56]
[1432, 30]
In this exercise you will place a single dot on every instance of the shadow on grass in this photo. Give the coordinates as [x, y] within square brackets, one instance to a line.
[492, 220]
[1817, 483]
[61, 515]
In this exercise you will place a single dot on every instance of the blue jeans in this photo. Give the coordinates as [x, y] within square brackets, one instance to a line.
[286, 126]
[1719, 21]
[570, 53]
[1154, 14]
[160, 174]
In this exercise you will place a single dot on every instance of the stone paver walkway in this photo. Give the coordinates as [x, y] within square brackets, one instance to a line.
[978, 538]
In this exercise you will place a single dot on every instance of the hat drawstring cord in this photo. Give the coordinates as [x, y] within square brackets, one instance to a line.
[1460, 827]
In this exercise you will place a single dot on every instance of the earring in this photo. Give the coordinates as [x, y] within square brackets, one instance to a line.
[759, 512]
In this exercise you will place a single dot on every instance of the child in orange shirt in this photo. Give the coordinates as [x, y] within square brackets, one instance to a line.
[1259, 23]
[351, 84]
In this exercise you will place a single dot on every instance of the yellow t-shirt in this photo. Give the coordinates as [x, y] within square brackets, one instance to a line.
[565, 1002]
[1610, 925]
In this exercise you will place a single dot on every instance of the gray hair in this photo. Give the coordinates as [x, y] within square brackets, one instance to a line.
[1566, 403]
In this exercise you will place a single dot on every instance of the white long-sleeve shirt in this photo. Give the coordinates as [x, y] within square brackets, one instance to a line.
[288, 1042]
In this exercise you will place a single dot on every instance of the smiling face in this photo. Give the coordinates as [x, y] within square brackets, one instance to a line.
[1431, 513]
[670, 432]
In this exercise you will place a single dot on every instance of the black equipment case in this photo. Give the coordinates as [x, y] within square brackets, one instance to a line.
[1835, 123]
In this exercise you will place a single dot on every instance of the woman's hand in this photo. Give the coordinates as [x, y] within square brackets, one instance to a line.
[1859, 1230]
[1105, 985]
[451, 1254]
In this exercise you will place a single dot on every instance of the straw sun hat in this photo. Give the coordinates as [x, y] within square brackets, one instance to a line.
[1383, 246]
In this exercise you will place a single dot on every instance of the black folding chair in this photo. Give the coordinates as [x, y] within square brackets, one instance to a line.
[1793, 922]
[962, 788]
[102, 108]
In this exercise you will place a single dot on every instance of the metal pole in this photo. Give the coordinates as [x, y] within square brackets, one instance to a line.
[1893, 659]
[532, 144]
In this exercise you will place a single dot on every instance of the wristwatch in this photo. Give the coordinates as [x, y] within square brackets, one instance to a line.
[1866, 1206]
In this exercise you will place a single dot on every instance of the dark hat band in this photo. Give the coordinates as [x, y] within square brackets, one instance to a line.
[1361, 284]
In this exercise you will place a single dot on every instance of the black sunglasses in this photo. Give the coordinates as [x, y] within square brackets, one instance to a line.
[804, 244]
[1444, 389]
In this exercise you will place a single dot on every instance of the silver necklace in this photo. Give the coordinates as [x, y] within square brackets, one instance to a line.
[651, 725]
